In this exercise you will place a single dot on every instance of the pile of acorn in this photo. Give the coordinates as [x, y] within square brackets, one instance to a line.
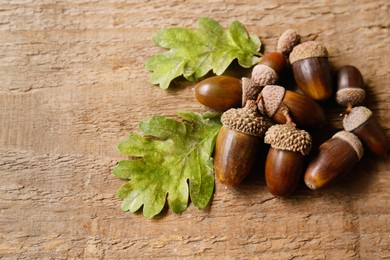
[273, 115]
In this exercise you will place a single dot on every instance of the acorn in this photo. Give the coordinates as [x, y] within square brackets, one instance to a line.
[287, 41]
[275, 60]
[359, 120]
[350, 86]
[285, 160]
[311, 70]
[336, 157]
[219, 92]
[305, 112]
[238, 143]
[269, 69]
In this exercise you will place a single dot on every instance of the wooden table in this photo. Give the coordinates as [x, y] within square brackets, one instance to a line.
[73, 85]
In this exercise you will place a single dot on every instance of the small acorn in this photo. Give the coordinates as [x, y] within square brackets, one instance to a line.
[359, 120]
[275, 60]
[305, 112]
[269, 69]
[287, 41]
[335, 157]
[219, 92]
[311, 70]
[238, 143]
[350, 86]
[285, 160]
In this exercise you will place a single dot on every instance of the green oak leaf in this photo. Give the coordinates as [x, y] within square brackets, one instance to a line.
[193, 53]
[174, 162]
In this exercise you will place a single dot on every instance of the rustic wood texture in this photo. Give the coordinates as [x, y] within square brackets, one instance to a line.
[73, 85]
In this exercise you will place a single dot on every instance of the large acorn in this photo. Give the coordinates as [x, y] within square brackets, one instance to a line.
[238, 143]
[335, 157]
[311, 69]
[285, 160]
[305, 112]
[359, 120]
[350, 86]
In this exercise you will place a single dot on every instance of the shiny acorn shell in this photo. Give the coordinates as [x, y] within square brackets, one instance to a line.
[283, 170]
[311, 70]
[285, 161]
[313, 77]
[234, 155]
[373, 136]
[238, 143]
[350, 86]
[361, 122]
[336, 157]
[219, 92]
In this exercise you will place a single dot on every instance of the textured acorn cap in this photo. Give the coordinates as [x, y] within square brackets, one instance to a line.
[307, 50]
[351, 96]
[288, 137]
[271, 97]
[287, 41]
[353, 140]
[250, 90]
[356, 117]
[264, 75]
[246, 120]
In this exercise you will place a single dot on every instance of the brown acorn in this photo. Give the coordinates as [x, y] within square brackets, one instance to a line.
[275, 60]
[350, 86]
[336, 157]
[311, 70]
[219, 92]
[238, 143]
[287, 41]
[269, 69]
[359, 120]
[305, 112]
[285, 162]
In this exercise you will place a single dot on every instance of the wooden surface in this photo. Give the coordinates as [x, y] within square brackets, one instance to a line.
[73, 85]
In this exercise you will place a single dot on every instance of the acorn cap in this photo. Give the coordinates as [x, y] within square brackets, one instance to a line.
[271, 97]
[288, 137]
[350, 96]
[356, 117]
[246, 120]
[264, 75]
[287, 41]
[307, 50]
[250, 90]
[353, 140]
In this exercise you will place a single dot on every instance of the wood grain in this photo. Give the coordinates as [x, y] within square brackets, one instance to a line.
[73, 85]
